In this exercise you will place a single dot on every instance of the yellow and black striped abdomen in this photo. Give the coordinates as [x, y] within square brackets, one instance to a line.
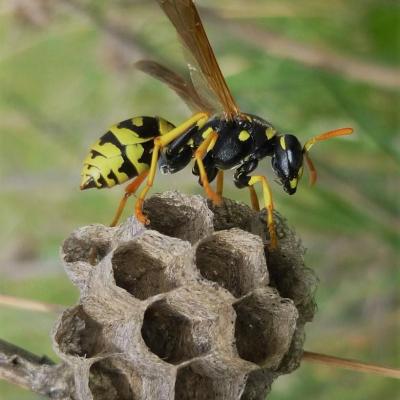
[123, 152]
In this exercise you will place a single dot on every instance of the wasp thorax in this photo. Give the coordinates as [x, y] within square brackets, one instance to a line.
[287, 161]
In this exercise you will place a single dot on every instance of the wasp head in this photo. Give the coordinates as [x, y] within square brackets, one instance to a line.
[287, 161]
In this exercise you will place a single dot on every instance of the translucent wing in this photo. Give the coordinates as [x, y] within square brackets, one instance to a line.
[185, 18]
[183, 87]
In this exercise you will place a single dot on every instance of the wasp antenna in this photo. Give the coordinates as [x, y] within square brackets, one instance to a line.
[326, 136]
[311, 169]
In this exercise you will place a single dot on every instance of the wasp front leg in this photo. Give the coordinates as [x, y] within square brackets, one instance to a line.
[202, 150]
[159, 143]
[209, 166]
[242, 179]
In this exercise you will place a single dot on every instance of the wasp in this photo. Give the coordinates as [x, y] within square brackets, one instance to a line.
[217, 137]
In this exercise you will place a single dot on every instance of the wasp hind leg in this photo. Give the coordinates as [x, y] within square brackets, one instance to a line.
[129, 191]
[159, 143]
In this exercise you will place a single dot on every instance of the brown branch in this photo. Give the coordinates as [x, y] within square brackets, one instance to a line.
[31, 305]
[38, 374]
[351, 364]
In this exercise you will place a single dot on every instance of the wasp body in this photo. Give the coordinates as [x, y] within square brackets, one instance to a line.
[124, 152]
[218, 136]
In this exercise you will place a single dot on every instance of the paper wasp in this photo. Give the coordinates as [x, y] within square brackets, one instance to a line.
[218, 136]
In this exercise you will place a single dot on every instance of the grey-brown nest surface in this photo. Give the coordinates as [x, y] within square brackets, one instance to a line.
[194, 306]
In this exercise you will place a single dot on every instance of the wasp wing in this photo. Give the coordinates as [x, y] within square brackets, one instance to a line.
[186, 20]
[184, 88]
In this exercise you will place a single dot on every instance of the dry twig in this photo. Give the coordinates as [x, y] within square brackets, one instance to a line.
[30, 305]
[38, 374]
[351, 364]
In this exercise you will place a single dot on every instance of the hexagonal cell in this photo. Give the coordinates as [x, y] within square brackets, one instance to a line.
[89, 244]
[184, 217]
[78, 334]
[151, 265]
[168, 334]
[264, 328]
[190, 385]
[211, 377]
[109, 381]
[234, 259]
[231, 214]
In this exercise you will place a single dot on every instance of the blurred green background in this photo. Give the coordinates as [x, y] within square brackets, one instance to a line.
[66, 75]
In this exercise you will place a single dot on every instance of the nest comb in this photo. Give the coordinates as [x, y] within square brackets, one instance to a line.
[192, 307]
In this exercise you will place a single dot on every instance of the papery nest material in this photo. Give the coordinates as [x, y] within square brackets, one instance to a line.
[192, 307]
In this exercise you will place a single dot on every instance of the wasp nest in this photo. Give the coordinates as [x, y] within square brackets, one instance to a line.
[194, 307]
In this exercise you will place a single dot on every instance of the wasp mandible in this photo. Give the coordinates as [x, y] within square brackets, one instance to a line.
[217, 137]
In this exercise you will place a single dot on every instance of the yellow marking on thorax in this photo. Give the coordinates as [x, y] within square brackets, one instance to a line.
[137, 121]
[282, 142]
[270, 132]
[243, 136]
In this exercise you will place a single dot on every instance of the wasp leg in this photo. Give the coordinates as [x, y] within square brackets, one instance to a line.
[242, 179]
[254, 199]
[179, 153]
[205, 146]
[220, 182]
[129, 191]
[209, 166]
[159, 143]
[269, 206]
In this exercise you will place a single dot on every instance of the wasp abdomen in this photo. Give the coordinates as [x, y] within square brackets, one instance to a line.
[123, 152]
